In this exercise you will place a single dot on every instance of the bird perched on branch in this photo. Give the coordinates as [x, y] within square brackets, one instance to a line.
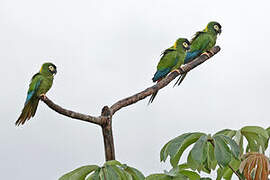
[201, 43]
[172, 58]
[40, 83]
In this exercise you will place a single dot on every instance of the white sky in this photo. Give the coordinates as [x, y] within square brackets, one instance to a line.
[107, 50]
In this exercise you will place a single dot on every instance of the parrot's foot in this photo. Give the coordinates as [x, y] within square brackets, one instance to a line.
[43, 96]
[208, 54]
[176, 70]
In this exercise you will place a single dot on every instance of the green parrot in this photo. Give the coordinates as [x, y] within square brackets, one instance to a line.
[201, 43]
[40, 83]
[172, 58]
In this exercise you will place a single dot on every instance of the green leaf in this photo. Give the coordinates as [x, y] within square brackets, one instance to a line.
[164, 152]
[109, 173]
[268, 131]
[192, 163]
[257, 138]
[226, 172]
[158, 177]
[183, 166]
[79, 173]
[136, 174]
[211, 160]
[95, 175]
[222, 151]
[255, 129]
[123, 174]
[113, 162]
[193, 137]
[227, 132]
[177, 146]
[190, 174]
[234, 147]
[167, 177]
[239, 141]
[199, 150]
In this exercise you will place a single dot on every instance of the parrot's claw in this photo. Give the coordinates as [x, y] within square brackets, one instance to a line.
[207, 54]
[176, 70]
[43, 96]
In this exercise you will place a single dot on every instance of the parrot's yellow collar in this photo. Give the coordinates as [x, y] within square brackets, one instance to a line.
[206, 29]
[174, 46]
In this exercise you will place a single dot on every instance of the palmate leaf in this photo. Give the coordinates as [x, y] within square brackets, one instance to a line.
[199, 150]
[79, 173]
[111, 170]
[158, 177]
[227, 132]
[257, 138]
[176, 175]
[211, 160]
[122, 174]
[192, 164]
[182, 170]
[222, 151]
[268, 131]
[233, 145]
[239, 141]
[225, 149]
[135, 174]
[175, 147]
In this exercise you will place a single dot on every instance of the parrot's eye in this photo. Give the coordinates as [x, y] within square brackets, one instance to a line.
[216, 27]
[185, 45]
[51, 68]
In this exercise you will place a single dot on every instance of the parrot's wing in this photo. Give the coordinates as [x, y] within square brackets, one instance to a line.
[196, 35]
[163, 53]
[166, 63]
[199, 43]
[191, 55]
[168, 59]
[33, 87]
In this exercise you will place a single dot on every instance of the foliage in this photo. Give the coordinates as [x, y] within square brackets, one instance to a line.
[111, 170]
[175, 174]
[206, 153]
[223, 149]
[222, 152]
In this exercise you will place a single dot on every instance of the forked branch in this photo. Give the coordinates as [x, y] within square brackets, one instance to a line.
[105, 119]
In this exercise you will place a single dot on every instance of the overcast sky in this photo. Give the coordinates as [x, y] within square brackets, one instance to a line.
[108, 50]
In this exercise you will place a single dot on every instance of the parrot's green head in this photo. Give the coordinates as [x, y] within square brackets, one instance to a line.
[48, 69]
[182, 43]
[214, 27]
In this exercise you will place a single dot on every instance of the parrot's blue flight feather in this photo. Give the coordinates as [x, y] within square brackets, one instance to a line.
[31, 93]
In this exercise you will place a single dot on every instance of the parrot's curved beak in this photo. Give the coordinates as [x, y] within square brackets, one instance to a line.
[54, 72]
[219, 31]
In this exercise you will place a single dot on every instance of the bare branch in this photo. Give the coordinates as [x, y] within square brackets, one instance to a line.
[107, 134]
[147, 92]
[75, 115]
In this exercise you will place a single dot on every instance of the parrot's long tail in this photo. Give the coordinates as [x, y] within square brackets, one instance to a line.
[28, 111]
[180, 79]
[152, 97]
